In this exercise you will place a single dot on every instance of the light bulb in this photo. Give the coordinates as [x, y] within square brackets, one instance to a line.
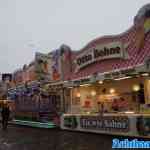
[100, 82]
[78, 94]
[112, 90]
[93, 93]
[136, 87]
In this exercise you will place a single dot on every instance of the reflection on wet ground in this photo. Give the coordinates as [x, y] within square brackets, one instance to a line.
[24, 138]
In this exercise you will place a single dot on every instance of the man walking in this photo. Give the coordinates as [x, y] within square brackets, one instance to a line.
[5, 116]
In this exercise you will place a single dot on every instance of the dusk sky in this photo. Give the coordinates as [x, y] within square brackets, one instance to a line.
[27, 26]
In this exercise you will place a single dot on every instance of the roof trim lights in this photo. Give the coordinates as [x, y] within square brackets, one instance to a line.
[129, 112]
[128, 77]
[100, 82]
[145, 74]
[85, 84]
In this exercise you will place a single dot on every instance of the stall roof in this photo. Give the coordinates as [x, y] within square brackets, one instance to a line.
[136, 56]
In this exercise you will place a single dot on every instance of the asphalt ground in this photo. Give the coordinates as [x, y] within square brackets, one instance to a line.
[18, 137]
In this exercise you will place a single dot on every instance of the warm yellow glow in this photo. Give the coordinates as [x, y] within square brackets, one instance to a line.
[145, 74]
[136, 87]
[100, 82]
[129, 112]
[112, 91]
[128, 77]
[85, 85]
[5, 102]
[78, 94]
[93, 93]
[70, 87]
[88, 112]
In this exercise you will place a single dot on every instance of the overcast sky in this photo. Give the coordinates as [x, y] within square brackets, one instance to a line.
[27, 26]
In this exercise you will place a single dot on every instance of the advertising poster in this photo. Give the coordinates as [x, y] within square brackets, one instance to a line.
[113, 124]
[56, 65]
[41, 66]
[18, 76]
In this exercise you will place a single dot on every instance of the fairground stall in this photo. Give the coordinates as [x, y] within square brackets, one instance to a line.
[32, 105]
[110, 83]
[37, 92]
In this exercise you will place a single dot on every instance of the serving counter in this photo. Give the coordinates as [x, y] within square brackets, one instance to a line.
[124, 124]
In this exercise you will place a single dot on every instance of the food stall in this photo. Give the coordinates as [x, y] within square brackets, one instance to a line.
[37, 100]
[110, 83]
[33, 105]
[112, 106]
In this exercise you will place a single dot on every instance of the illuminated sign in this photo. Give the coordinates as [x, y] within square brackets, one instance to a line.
[106, 123]
[100, 52]
[82, 81]
[70, 122]
[120, 73]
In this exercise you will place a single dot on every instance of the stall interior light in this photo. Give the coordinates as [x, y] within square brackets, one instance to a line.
[129, 112]
[145, 74]
[70, 87]
[78, 95]
[100, 82]
[85, 85]
[128, 77]
[112, 91]
[88, 112]
[93, 93]
[136, 87]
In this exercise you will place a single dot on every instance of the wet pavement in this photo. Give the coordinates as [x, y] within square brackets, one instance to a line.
[25, 138]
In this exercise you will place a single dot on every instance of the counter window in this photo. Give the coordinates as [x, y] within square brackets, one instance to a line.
[114, 96]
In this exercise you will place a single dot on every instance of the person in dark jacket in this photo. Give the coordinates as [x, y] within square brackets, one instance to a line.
[5, 116]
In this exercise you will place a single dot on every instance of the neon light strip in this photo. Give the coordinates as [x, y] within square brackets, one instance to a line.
[34, 122]
[123, 78]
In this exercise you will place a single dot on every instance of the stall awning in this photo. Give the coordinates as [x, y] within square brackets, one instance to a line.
[140, 70]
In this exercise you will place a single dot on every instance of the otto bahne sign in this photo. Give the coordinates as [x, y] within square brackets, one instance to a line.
[101, 52]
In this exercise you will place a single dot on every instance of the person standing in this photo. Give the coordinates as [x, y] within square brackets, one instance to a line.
[115, 105]
[123, 104]
[101, 108]
[5, 116]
